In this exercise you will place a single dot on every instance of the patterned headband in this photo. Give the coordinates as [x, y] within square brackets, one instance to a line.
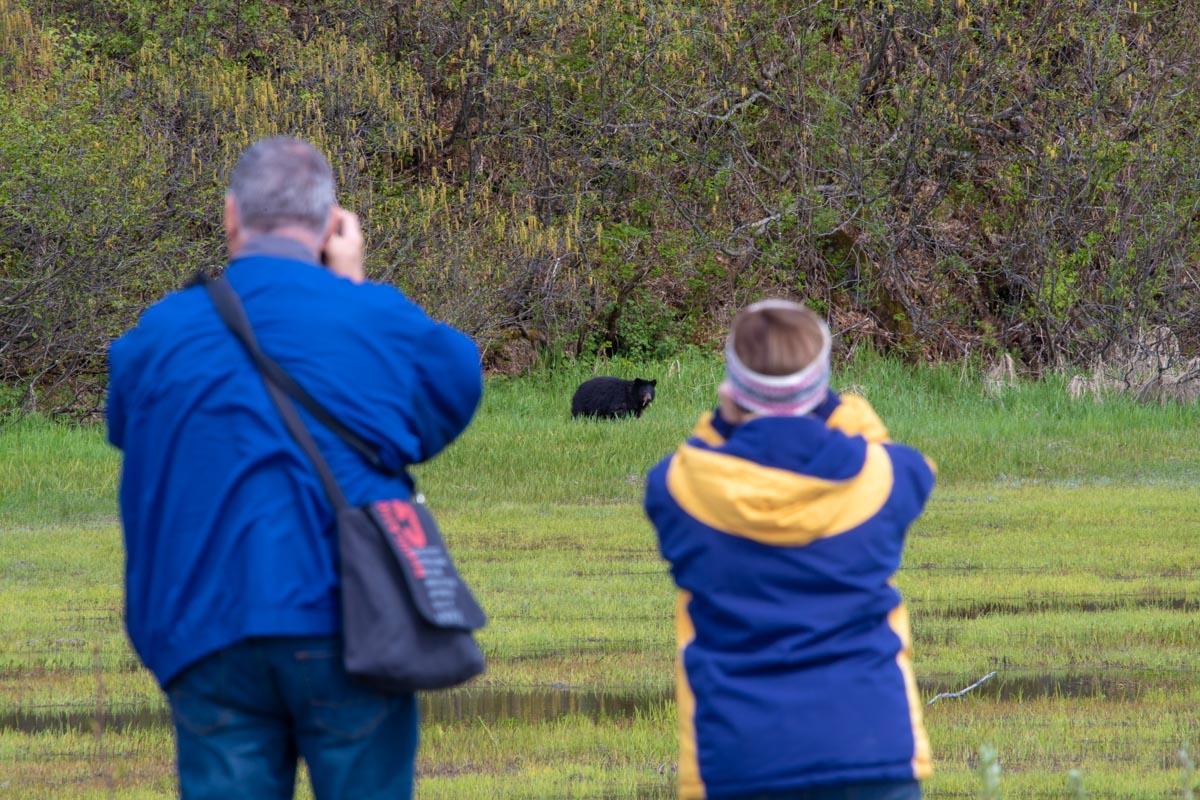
[779, 395]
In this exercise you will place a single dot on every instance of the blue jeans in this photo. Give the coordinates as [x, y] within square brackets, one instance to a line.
[907, 790]
[245, 714]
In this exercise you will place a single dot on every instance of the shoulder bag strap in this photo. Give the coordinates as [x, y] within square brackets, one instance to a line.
[230, 308]
[234, 315]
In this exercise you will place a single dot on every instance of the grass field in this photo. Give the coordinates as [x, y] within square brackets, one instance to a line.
[1059, 551]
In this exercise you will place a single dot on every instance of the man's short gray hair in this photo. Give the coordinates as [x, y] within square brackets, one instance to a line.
[282, 181]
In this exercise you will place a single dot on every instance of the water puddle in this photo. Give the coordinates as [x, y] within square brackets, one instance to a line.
[1112, 686]
[534, 706]
[1078, 604]
[537, 705]
[530, 706]
[78, 718]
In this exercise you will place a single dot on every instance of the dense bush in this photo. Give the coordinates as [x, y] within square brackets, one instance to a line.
[946, 178]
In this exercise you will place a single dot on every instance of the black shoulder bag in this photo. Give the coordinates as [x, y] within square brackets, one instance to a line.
[408, 619]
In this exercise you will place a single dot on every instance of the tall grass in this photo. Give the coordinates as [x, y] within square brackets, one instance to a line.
[522, 449]
[55, 473]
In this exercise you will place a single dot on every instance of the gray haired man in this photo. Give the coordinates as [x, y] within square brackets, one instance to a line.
[231, 569]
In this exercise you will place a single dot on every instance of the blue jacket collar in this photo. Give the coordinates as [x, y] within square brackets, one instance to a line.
[278, 247]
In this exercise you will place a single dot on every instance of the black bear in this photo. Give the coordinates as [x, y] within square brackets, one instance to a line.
[609, 398]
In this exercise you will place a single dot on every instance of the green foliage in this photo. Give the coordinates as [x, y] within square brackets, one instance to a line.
[610, 177]
[650, 331]
[10, 400]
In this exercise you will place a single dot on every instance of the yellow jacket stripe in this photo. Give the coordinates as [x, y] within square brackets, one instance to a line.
[776, 506]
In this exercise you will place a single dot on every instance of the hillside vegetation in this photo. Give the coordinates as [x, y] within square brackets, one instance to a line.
[946, 179]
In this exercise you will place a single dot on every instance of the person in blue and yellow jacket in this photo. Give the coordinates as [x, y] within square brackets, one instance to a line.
[783, 519]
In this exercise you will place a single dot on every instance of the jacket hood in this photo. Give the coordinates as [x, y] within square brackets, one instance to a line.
[784, 480]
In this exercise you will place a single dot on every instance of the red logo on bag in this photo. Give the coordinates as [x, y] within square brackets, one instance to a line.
[404, 526]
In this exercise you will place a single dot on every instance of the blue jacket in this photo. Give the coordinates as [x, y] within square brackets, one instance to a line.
[228, 532]
[783, 534]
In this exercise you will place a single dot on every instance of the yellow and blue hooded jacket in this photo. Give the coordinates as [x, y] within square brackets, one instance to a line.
[783, 534]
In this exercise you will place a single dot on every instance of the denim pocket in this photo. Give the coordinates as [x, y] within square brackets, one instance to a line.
[337, 705]
[196, 698]
[197, 714]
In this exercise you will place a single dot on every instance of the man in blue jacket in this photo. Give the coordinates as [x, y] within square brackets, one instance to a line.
[231, 570]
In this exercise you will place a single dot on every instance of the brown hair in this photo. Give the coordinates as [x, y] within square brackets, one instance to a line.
[777, 341]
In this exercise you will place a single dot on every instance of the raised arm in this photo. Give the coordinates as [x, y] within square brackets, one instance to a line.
[451, 387]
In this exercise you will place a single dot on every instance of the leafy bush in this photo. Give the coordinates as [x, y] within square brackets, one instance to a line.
[941, 179]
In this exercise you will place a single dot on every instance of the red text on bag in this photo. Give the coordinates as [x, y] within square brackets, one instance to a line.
[401, 522]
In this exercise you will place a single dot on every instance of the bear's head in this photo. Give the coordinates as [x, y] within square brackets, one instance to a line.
[643, 391]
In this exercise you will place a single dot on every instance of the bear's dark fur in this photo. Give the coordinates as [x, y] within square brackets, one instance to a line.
[609, 398]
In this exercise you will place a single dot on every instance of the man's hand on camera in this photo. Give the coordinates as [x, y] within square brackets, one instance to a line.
[344, 250]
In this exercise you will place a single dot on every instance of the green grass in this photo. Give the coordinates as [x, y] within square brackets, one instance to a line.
[55, 474]
[523, 448]
[1058, 550]
[522, 451]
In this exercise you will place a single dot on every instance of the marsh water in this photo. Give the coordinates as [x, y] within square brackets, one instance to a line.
[544, 704]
